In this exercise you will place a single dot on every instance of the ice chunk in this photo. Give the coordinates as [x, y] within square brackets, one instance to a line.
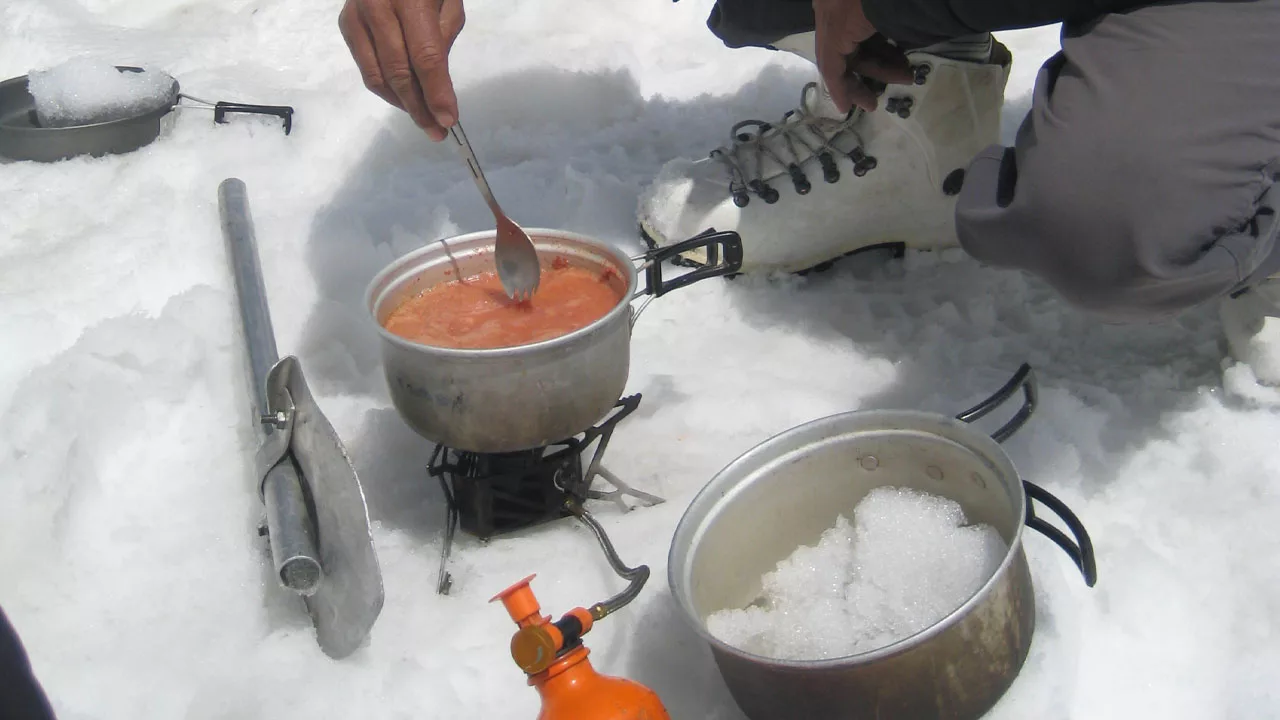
[84, 90]
[906, 561]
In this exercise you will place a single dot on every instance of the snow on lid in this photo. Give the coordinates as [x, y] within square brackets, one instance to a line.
[83, 90]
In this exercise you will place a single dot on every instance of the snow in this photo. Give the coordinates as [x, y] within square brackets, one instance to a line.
[86, 90]
[128, 558]
[906, 561]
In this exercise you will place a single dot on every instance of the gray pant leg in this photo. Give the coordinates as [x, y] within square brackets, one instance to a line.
[1138, 186]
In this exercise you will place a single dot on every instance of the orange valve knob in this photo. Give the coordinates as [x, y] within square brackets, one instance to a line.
[521, 604]
[534, 649]
[538, 642]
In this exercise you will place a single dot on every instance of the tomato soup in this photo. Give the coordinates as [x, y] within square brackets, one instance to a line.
[475, 313]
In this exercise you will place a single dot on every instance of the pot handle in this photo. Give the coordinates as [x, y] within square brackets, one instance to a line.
[726, 243]
[1080, 551]
[222, 108]
[1024, 379]
[284, 112]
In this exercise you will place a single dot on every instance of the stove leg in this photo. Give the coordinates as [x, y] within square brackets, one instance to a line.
[621, 489]
[445, 581]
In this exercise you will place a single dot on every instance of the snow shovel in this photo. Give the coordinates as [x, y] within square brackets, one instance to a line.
[317, 522]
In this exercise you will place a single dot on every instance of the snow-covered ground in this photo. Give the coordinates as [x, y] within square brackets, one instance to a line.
[128, 559]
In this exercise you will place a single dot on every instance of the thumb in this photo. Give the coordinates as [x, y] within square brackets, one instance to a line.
[856, 93]
[831, 65]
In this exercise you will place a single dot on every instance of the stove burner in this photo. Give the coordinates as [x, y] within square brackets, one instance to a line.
[495, 494]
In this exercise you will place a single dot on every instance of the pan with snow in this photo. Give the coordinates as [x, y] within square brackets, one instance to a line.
[87, 106]
[922, 607]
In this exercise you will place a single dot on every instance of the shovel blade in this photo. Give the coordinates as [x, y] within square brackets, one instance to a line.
[349, 598]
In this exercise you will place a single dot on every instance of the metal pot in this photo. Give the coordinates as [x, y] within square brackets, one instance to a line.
[24, 137]
[519, 398]
[783, 493]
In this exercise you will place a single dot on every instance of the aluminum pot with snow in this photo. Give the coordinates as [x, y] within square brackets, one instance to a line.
[869, 564]
[472, 370]
[86, 107]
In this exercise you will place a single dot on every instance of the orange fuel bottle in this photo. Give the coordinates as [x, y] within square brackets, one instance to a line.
[554, 658]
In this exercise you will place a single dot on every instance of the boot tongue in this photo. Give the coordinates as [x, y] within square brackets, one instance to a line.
[817, 102]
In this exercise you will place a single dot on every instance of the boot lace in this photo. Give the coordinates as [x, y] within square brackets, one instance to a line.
[754, 140]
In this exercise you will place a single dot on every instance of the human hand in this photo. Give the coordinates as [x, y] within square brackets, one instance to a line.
[849, 51]
[402, 49]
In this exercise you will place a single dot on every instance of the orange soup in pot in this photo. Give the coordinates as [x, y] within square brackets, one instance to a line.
[475, 313]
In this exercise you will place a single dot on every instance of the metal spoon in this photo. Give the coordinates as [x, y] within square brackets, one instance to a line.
[515, 256]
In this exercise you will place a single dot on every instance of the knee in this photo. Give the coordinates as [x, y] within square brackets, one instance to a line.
[1101, 227]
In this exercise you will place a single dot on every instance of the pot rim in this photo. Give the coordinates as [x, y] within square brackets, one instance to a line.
[436, 247]
[971, 439]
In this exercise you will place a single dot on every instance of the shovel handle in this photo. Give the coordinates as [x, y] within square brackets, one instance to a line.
[242, 246]
[289, 521]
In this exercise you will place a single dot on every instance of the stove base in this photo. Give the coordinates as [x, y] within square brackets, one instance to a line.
[488, 495]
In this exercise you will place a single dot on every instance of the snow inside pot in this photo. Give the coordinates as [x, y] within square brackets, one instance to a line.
[502, 397]
[869, 564]
[87, 107]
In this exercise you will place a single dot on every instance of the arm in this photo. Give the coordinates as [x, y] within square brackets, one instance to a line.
[924, 22]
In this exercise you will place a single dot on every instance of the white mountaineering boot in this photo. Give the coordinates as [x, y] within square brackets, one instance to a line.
[1251, 316]
[820, 184]
[1251, 324]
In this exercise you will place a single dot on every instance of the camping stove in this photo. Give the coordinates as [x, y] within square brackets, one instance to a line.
[494, 494]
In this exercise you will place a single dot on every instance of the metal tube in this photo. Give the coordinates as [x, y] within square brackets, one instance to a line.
[289, 521]
[636, 577]
[293, 547]
[255, 316]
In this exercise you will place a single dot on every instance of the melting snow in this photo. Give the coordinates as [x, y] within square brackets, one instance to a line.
[906, 561]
